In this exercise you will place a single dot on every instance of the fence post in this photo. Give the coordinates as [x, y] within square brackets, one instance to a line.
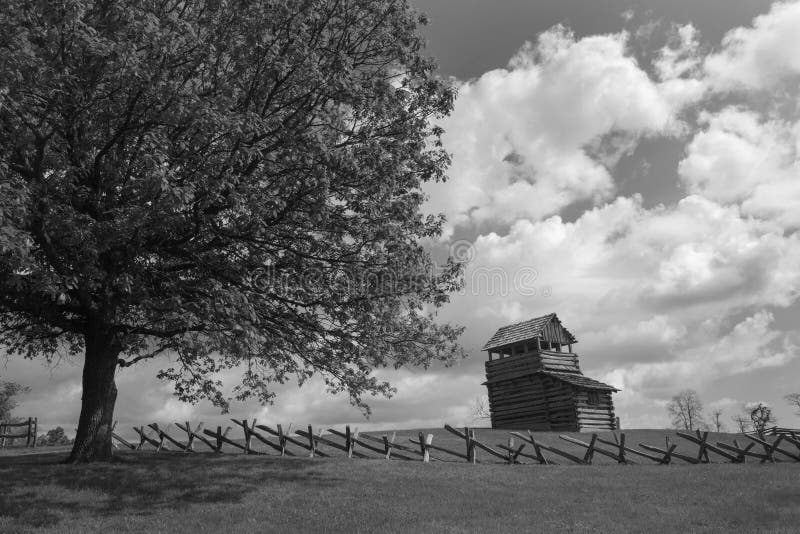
[282, 439]
[248, 435]
[35, 430]
[473, 453]
[3, 435]
[190, 438]
[312, 444]
[348, 441]
[387, 444]
[702, 454]
[219, 439]
[470, 447]
[587, 458]
[424, 441]
[353, 441]
[30, 427]
[160, 439]
[513, 454]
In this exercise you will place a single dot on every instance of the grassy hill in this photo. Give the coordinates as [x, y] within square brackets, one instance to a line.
[176, 492]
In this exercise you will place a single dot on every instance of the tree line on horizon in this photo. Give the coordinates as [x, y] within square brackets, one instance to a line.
[685, 409]
[686, 413]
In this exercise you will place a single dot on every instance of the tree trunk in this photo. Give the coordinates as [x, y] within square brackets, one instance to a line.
[93, 439]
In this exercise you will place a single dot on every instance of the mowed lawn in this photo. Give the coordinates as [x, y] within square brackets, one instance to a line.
[178, 492]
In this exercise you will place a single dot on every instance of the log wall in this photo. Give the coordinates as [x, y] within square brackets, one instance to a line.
[595, 416]
[521, 397]
[531, 362]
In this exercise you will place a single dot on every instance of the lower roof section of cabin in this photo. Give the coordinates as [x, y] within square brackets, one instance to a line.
[548, 400]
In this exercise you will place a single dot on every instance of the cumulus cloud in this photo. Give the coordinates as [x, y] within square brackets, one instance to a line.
[678, 67]
[622, 258]
[761, 56]
[650, 293]
[543, 133]
[741, 158]
[752, 344]
[679, 58]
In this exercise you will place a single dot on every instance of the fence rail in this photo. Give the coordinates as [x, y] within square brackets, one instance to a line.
[775, 431]
[6, 434]
[519, 449]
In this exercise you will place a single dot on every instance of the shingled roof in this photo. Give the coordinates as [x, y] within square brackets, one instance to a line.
[529, 329]
[579, 380]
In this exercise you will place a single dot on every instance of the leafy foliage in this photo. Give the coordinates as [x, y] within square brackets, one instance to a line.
[761, 416]
[8, 390]
[236, 184]
[54, 437]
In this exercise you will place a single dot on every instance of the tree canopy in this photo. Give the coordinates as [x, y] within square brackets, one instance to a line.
[760, 415]
[235, 184]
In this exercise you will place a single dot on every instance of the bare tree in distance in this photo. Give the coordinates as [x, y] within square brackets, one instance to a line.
[480, 408]
[686, 410]
[742, 422]
[761, 416]
[794, 400]
[716, 421]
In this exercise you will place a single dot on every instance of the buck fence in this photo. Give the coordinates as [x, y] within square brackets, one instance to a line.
[461, 445]
[8, 434]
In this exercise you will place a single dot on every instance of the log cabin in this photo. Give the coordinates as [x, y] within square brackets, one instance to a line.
[535, 382]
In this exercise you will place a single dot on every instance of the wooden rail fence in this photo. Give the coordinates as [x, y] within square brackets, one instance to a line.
[6, 432]
[775, 431]
[520, 448]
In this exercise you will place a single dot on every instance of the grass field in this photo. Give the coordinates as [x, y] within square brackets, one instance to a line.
[172, 492]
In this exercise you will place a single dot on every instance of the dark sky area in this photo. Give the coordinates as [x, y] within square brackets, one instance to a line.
[470, 37]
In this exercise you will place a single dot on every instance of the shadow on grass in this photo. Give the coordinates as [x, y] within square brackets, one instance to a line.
[38, 491]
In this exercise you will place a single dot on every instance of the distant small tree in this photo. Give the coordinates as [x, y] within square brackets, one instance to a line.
[716, 421]
[794, 400]
[686, 410]
[742, 422]
[480, 408]
[761, 416]
[54, 436]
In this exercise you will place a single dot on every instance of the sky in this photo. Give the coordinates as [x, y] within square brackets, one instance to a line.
[631, 165]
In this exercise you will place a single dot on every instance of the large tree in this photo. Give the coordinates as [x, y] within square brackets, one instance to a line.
[234, 184]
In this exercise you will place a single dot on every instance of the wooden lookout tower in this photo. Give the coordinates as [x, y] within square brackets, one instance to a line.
[535, 382]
